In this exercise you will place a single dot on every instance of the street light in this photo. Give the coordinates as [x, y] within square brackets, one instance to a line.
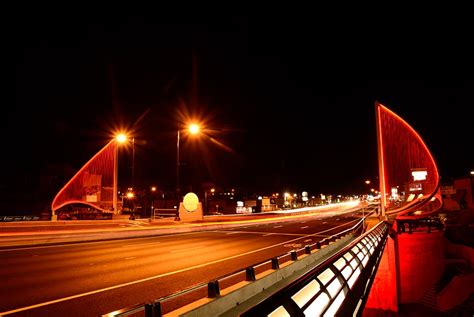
[153, 190]
[192, 128]
[119, 138]
[206, 200]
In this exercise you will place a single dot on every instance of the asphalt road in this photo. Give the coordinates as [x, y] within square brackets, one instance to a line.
[90, 279]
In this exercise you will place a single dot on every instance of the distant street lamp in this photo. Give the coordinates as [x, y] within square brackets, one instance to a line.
[153, 190]
[192, 129]
[133, 162]
[206, 200]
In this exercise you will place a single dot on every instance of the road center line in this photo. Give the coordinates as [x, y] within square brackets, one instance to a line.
[135, 244]
[154, 277]
[187, 249]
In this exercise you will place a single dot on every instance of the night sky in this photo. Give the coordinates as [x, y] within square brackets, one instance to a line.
[291, 100]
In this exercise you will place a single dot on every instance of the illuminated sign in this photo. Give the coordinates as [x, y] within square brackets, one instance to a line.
[415, 187]
[419, 175]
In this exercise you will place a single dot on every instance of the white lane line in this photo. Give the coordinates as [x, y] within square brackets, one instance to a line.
[135, 244]
[235, 232]
[91, 263]
[260, 233]
[183, 250]
[130, 257]
[156, 276]
[337, 219]
[304, 227]
[277, 227]
[325, 222]
[268, 234]
[308, 240]
[89, 242]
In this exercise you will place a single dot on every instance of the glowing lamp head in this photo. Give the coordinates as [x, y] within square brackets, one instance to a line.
[153, 189]
[193, 128]
[130, 195]
[367, 182]
[121, 138]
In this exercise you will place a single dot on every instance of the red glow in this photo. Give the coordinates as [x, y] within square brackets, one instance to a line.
[402, 152]
[383, 192]
[93, 184]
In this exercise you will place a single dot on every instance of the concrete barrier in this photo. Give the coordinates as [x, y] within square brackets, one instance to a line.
[236, 300]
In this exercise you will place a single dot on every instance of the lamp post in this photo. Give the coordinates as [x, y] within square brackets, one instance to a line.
[133, 163]
[153, 190]
[120, 138]
[192, 129]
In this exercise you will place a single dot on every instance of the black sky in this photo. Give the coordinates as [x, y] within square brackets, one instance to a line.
[293, 98]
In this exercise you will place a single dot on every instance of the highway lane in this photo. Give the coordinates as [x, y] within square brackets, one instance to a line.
[150, 267]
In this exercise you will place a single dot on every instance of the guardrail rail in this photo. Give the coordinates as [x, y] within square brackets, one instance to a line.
[338, 287]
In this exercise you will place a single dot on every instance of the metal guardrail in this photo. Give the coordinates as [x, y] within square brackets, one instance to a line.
[19, 218]
[212, 288]
[164, 212]
[338, 287]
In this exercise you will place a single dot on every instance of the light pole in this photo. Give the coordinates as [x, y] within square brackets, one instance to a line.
[153, 190]
[120, 138]
[133, 163]
[192, 129]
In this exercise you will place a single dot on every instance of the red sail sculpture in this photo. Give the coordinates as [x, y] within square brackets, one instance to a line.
[409, 178]
[93, 184]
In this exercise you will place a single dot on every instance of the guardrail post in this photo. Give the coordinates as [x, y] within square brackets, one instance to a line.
[275, 264]
[213, 290]
[318, 245]
[250, 274]
[157, 309]
[294, 256]
[153, 309]
[148, 310]
[307, 249]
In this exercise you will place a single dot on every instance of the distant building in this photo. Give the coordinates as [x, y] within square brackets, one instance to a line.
[458, 194]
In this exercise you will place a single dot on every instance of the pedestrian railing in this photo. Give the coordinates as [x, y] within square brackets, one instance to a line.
[337, 287]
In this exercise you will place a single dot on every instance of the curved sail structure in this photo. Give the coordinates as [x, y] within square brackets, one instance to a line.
[93, 184]
[409, 178]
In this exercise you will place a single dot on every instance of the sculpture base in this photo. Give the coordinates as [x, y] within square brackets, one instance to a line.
[185, 215]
